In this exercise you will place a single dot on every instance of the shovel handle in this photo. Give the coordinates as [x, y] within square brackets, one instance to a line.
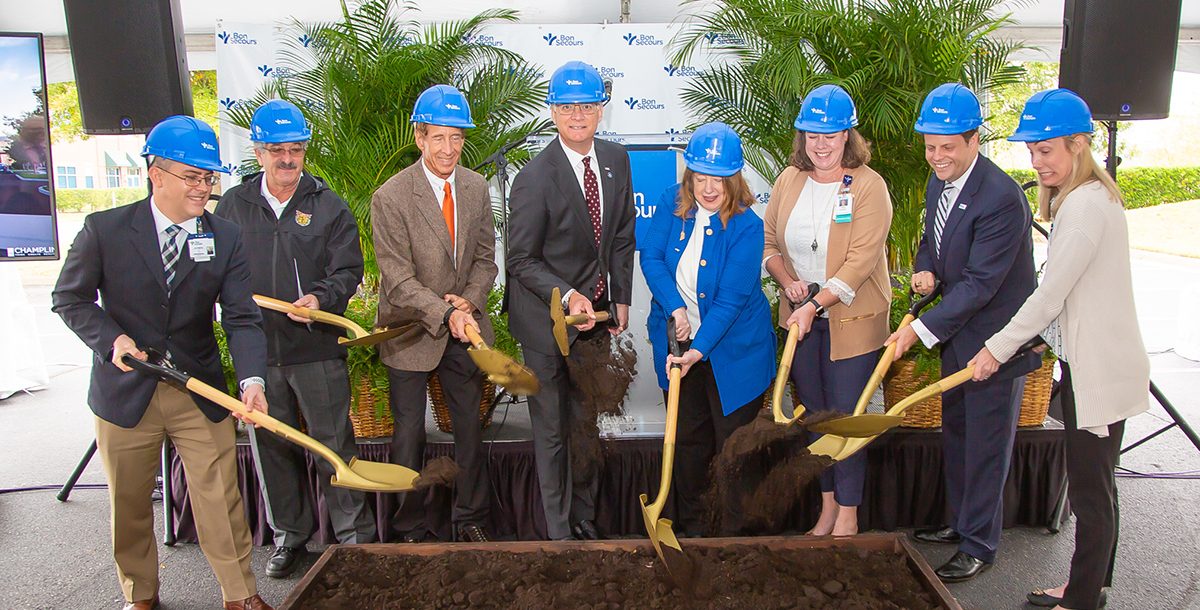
[316, 315]
[889, 353]
[580, 318]
[476, 340]
[948, 383]
[781, 376]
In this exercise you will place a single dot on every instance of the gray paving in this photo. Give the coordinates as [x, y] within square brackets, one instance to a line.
[57, 555]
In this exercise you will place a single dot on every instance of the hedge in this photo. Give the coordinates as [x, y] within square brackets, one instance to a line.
[1142, 186]
[91, 200]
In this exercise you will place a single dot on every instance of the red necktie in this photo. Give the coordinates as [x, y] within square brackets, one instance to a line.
[448, 211]
[591, 192]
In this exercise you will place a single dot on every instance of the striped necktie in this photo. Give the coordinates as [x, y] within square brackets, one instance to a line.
[943, 211]
[170, 254]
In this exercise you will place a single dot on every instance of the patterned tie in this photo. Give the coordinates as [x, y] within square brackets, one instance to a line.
[943, 211]
[448, 211]
[591, 192]
[170, 254]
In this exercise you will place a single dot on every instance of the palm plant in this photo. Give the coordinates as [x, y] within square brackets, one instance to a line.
[357, 80]
[886, 53]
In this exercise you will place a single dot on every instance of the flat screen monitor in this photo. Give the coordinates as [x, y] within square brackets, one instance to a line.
[28, 229]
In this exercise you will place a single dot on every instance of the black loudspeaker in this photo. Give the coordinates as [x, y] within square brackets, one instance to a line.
[1119, 56]
[130, 63]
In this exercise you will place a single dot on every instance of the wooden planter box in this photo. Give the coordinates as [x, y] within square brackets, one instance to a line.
[889, 543]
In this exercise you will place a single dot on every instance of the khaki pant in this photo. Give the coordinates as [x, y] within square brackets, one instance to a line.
[131, 458]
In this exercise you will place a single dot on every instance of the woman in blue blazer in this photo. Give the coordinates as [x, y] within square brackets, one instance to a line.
[702, 259]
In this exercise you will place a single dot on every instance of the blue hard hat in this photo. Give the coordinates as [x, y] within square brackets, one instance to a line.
[948, 110]
[714, 150]
[576, 82]
[187, 140]
[1053, 113]
[826, 109]
[442, 105]
[279, 121]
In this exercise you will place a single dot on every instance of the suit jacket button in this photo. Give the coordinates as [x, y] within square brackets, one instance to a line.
[703, 263]
[701, 295]
[708, 231]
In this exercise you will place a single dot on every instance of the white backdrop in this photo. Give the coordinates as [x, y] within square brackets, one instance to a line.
[645, 109]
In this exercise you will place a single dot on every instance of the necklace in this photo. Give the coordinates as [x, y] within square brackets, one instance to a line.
[813, 211]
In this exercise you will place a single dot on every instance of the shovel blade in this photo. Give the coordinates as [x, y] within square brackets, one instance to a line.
[658, 529]
[378, 336]
[374, 476]
[858, 426]
[501, 369]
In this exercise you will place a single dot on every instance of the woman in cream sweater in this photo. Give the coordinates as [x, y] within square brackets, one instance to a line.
[827, 222]
[1084, 309]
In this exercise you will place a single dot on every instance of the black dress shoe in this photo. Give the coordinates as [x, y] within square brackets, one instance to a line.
[283, 561]
[585, 530]
[961, 567]
[471, 533]
[940, 535]
[1039, 597]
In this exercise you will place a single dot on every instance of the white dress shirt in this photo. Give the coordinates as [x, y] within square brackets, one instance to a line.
[689, 268]
[576, 161]
[927, 336]
[438, 184]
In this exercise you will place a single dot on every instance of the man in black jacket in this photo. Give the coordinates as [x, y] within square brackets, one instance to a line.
[303, 247]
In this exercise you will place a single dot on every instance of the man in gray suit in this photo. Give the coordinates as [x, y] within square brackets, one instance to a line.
[571, 228]
[435, 244]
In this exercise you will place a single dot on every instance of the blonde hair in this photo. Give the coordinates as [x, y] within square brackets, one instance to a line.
[1084, 169]
[738, 197]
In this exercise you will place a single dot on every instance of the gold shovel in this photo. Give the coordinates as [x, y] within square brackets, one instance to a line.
[842, 447]
[657, 528]
[358, 474]
[359, 335]
[500, 369]
[561, 321]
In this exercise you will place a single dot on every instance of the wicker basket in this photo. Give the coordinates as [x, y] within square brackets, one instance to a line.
[903, 382]
[362, 415]
[441, 411]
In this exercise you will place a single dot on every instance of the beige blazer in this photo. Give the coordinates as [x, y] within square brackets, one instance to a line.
[1088, 285]
[412, 247]
[856, 255]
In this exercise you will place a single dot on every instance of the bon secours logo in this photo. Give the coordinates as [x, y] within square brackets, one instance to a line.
[610, 72]
[677, 135]
[642, 40]
[643, 104]
[276, 71]
[564, 40]
[610, 136]
[486, 40]
[724, 40]
[235, 38]
[230, 103]
[684, 71]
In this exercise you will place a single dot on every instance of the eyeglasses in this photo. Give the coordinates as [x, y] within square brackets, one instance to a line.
[569, 109]
[208, 179]
[279, 151]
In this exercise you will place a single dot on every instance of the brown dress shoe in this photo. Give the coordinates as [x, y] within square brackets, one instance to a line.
[145, 604]
[250, 603]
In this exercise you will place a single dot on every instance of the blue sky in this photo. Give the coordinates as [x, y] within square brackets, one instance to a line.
[20, 74]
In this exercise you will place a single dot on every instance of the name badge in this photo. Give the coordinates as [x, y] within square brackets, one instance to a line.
[201, 247]
[844, 208]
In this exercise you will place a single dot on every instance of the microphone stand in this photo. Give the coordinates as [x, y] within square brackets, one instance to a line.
[500, 161]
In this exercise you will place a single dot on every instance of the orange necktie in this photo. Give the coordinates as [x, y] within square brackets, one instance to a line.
[448, 211]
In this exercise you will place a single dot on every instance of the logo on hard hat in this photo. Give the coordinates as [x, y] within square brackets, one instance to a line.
[1028, 117]
[208, 146]
[282, 122]
[574, 83]
[937, 110]
[453, 106]
[712, 152]
[816, 111]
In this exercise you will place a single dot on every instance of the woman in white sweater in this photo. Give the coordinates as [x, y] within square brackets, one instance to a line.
[1084, 309]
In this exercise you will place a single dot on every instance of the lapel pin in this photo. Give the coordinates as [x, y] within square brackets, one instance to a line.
[962, 206]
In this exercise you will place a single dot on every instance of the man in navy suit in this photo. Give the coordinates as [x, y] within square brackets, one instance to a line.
[571, 228]
[977, 244]
[159, 266]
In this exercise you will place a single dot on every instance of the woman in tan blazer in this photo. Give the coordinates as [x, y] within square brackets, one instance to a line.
[827, 222]
[1084, 309]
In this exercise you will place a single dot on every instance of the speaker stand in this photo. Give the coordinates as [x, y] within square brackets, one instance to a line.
[1111, 163]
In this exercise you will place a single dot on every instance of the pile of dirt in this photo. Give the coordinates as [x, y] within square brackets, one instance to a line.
[439, 471]
[761, 473]
[736, 576]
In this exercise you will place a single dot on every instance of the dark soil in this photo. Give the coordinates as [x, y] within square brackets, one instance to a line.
[601, 369]
[761, 473]
[438, 471]
[736, 577]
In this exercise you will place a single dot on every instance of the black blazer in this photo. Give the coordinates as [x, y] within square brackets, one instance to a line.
[117, 256]
[551, 242]
[986, 265]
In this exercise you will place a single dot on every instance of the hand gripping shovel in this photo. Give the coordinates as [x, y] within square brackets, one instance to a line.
[561, 321]
[358, 474]
[658, 528]
[499, 368]
[861, 423]
[840, 448]
[360, 336]
[785, 366]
